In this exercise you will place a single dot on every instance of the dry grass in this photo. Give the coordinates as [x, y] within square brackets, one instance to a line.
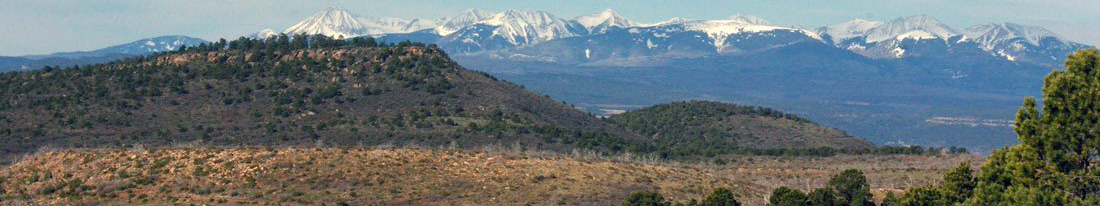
[419, 176]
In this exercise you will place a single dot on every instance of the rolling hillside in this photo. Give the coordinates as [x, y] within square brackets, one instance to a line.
[686, 127]
[255, 93]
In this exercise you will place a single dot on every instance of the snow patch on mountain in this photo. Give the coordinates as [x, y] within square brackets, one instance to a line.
[850, 29]
[527, 27]
[988, 35]
[151, 45]
[1006, 55]
[749, 19]
[599, 22]
[719, 30]
[139, 47]
[898, 52]
[897, 27]
[333, 22]
[918, 35]
[673, 20]
[388, 25]
[264, 34]
[448, 25]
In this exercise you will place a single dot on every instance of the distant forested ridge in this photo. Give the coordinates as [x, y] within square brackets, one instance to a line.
[716, 127]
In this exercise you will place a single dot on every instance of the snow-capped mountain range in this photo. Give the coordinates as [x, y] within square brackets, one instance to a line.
[333, 21]
[599, 22]
[905, 36]
[139, 47]
[540, 35]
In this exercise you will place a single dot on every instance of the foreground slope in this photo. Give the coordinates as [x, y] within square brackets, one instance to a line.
[366, 176]
[276, 95]
[707, 125]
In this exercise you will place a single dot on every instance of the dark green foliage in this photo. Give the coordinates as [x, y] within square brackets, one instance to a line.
[890, 200]
[923, 196]
[851, 188]
[823, 197]
[784, 196]
[848, 188]
[645, 198]
[714, 128]
[720, 197]
[958, 184]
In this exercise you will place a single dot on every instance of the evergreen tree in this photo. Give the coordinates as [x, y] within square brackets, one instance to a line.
[923, 196]
[282, 42]
[221, 44]
[958, 184]
[370, 42]
[720, 197]
[823, 197]
[784, 196]
[889, 200]
[299, 41]
[1052, 165]
[645, 198]
[851, 188]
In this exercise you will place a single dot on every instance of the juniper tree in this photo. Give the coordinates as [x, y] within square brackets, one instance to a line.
[720, 197]
[852, 188]
[1053, 164]
[784, 196]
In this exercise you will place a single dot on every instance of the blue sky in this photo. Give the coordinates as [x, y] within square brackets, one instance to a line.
[47, 26]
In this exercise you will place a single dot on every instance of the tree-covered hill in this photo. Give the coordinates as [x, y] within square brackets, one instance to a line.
[289, 91]
[688, 127]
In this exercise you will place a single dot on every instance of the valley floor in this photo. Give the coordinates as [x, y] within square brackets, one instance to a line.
[418, 176]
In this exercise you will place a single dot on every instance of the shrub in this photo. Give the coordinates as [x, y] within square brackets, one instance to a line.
[720, 197]
[645, 198]
[784, 196]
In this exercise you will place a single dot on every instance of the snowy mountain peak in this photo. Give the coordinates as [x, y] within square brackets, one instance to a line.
[155, 44]
[850, 29]
[990, 34]
[139, 47]
[599, 22]
[719, 30]
[469, 17]
[1017, 42]
[386, 25]
[522, 17]
[263, 34]
[526, 27]
[897, 27]
[331, 21]
[916, 34]
[673, 20]
[750, 19]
